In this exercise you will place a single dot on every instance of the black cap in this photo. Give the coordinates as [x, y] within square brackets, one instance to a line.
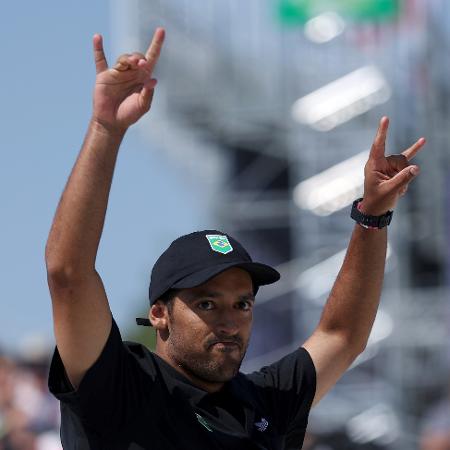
[194, 258]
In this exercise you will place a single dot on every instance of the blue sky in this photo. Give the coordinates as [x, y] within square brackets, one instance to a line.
[47, 80]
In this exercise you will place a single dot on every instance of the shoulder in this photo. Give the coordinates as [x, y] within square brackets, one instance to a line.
[292, 369]
[137, 350]
[115, 356]
[294, 374]
[145, 358]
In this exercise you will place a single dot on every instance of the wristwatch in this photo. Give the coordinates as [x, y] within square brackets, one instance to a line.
[368, 221]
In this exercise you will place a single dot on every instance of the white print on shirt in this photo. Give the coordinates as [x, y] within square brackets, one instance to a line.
[262, 426]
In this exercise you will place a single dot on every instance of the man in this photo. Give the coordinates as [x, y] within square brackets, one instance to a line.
[189, 394]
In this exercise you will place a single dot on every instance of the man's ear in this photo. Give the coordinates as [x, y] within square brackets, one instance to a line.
[159, 315]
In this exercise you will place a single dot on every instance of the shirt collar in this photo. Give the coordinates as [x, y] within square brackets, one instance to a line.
[179, 385]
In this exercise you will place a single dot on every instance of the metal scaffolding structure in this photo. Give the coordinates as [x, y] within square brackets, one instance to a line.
[238, 109]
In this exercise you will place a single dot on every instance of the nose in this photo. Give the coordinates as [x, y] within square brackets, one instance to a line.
[227, 324]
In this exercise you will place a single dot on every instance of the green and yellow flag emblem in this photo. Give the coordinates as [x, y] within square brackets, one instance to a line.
[219, 243]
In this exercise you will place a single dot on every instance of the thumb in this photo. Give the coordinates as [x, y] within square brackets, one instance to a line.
[403, 178]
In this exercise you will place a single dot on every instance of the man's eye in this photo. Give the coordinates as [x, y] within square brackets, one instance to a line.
[245, 305]
[206, 305]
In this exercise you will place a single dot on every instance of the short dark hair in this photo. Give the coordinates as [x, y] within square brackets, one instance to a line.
[167, 298]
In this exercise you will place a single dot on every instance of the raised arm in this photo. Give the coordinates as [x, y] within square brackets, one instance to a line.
[81, 314]
[351, 308]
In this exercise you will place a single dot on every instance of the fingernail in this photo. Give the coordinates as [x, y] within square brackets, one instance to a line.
[414, 171]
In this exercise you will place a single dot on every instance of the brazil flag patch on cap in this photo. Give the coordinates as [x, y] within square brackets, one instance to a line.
[219, 243]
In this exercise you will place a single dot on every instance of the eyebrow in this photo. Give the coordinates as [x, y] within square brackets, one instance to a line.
[249, 296]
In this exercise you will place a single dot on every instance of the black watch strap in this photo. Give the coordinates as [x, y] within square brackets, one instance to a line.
[368, 221]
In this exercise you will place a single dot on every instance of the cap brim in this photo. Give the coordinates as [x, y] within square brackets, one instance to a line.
[261, 275]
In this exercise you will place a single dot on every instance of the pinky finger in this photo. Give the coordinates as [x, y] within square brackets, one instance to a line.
[414, 149]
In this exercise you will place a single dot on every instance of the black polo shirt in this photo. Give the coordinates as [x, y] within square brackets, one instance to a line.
[131, 399]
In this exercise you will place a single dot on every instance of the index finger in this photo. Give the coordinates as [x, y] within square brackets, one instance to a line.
[153, 51]
[412, 151]
[379, 144]
[99, 55]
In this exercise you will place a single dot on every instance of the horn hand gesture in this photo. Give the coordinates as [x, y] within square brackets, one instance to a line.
[387, 177]
[123, 93]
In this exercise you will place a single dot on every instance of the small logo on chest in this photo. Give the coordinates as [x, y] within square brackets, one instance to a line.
[262, 426]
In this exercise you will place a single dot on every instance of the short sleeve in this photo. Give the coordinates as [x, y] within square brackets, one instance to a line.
[110, 391]
[289, 386]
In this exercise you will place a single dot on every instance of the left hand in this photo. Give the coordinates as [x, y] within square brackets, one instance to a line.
[387, 177]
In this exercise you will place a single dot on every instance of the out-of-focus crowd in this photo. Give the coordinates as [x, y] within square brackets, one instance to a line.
[435, 433]
[30, 417]
[29, 414]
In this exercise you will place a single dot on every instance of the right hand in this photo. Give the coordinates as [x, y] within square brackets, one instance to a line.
[123, 94]
[386, 178]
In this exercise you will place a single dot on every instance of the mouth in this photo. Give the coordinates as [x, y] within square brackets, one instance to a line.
[225, 346]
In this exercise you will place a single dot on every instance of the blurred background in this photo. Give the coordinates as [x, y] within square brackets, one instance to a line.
[261, 124]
